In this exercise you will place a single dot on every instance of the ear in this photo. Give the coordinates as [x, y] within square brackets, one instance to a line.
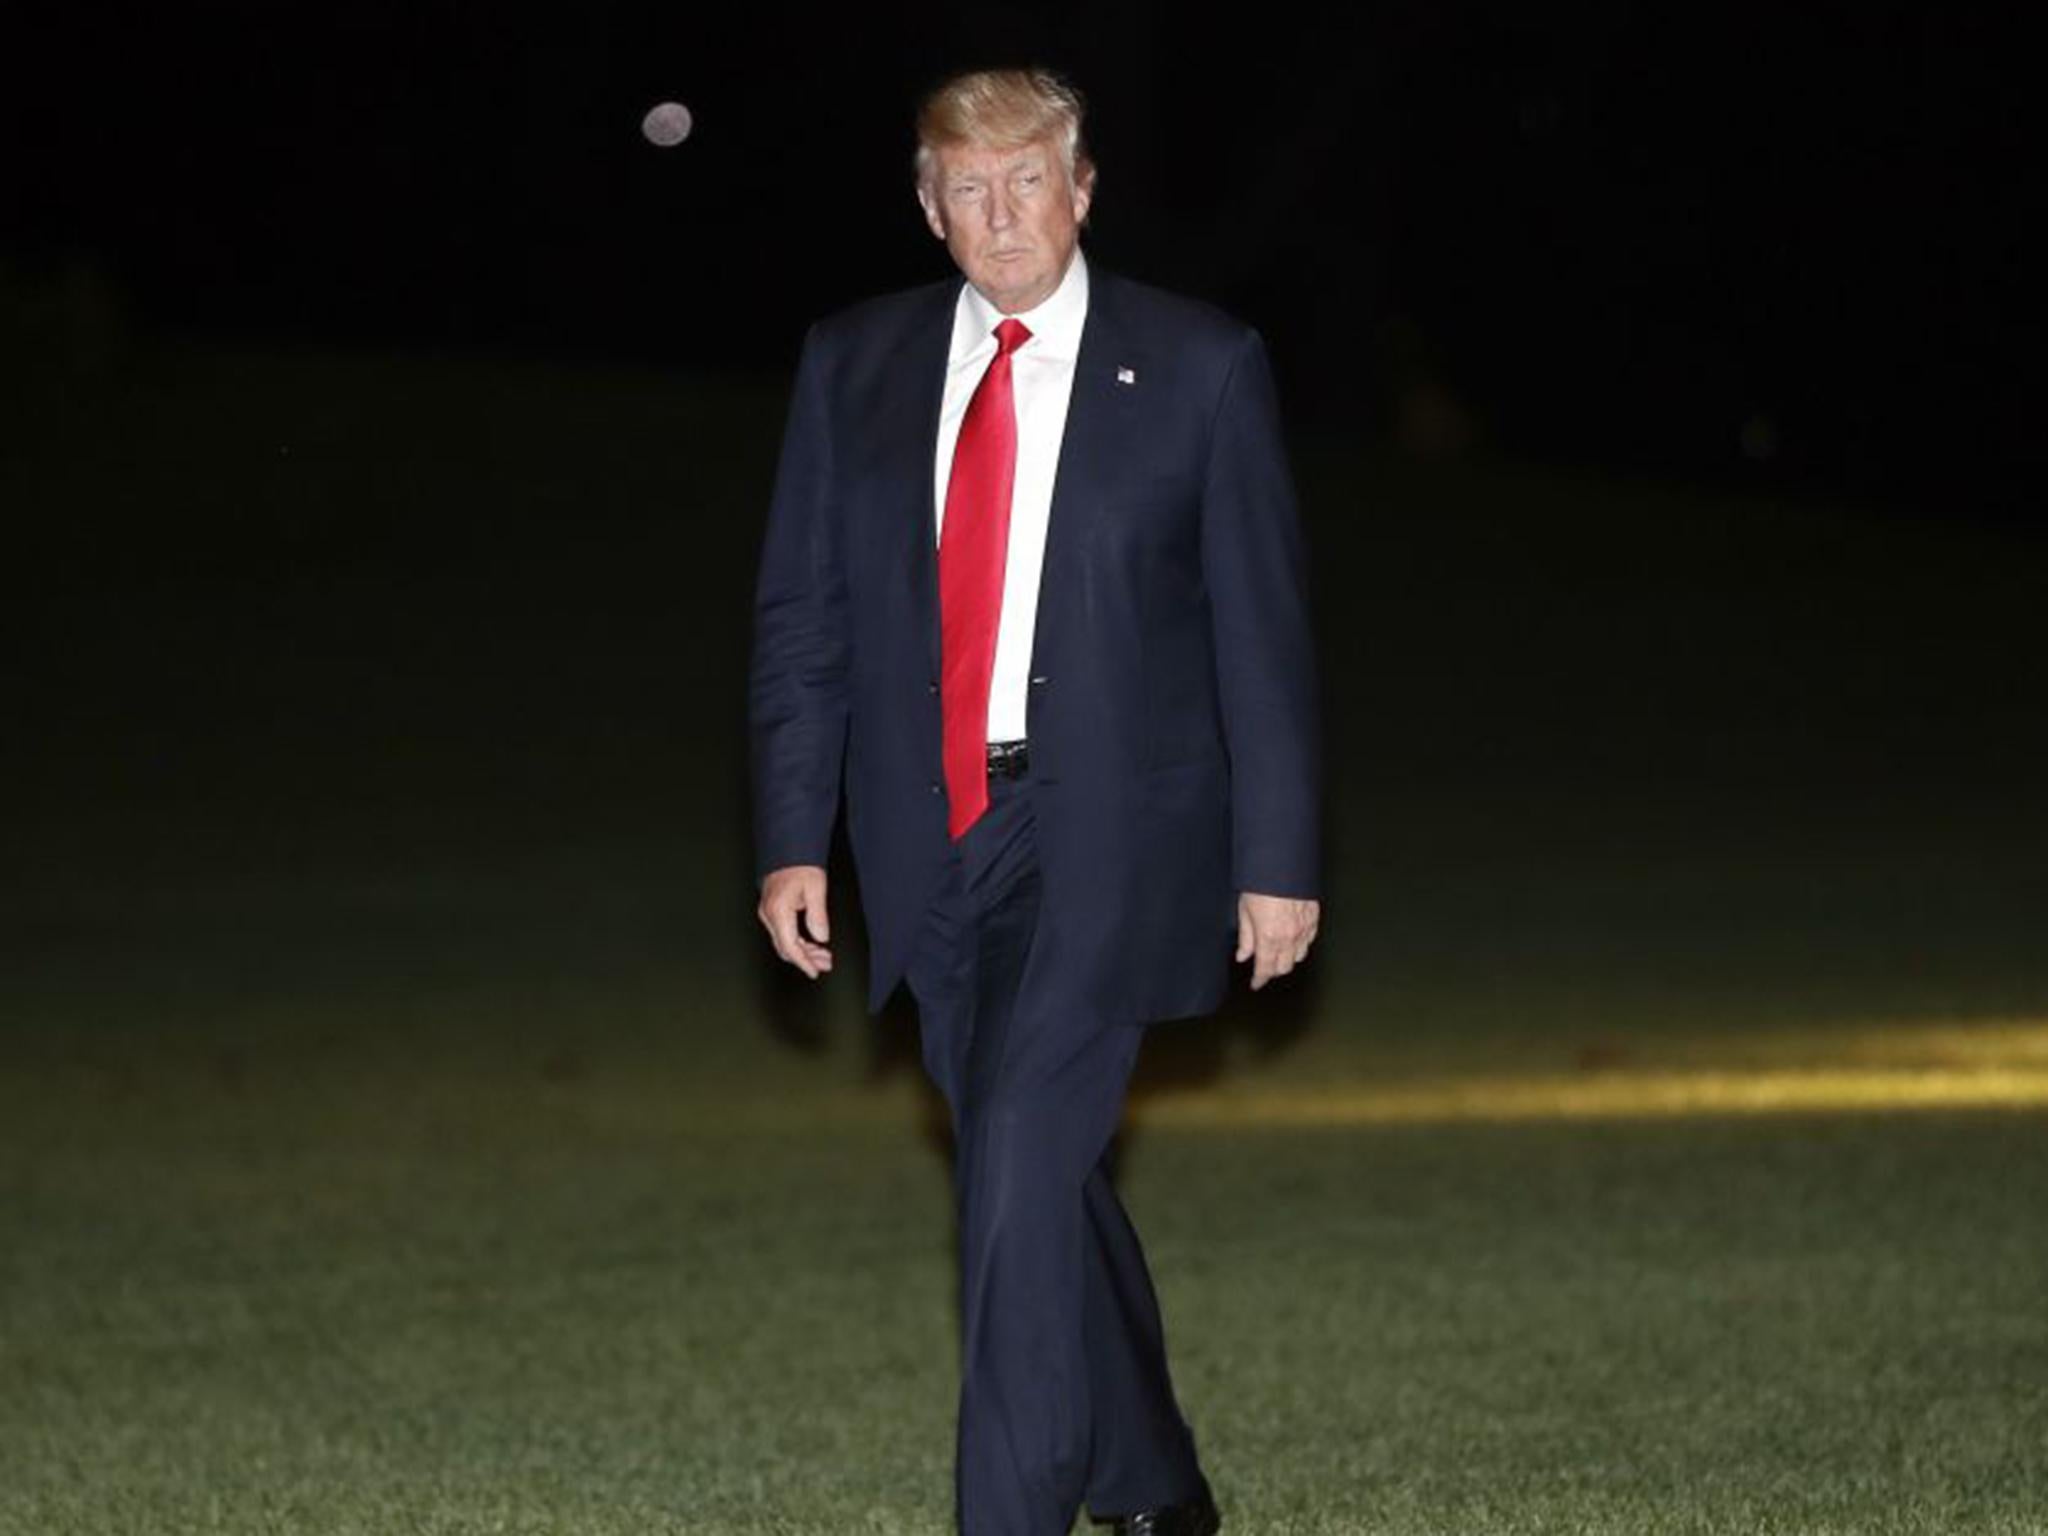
[1084, 190]
[926, 201]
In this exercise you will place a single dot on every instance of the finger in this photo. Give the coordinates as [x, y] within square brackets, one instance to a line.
[1262, 967]
[1279, 959]
[789, 943]
[819, 956]
[810, 929]
[811, 901]
[1244, 933]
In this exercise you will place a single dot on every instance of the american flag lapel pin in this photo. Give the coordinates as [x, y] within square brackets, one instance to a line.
[1127, 375]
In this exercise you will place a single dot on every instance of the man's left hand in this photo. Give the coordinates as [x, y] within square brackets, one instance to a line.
[1277, 930]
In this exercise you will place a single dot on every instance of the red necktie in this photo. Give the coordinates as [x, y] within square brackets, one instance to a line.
[973, 542]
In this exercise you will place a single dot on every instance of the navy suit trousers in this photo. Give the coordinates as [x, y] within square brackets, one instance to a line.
[1064, 1391]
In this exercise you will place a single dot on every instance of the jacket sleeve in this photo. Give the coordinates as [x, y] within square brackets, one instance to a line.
[798, 682]
[1255, 564]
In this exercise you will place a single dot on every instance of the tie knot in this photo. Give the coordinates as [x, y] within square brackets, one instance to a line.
[1011, 335]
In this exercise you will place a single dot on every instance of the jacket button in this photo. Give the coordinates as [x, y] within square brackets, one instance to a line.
[935, 786]
[931, 687]
[1037, 680]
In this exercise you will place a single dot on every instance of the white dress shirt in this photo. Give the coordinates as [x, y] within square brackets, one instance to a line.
[1041, 382]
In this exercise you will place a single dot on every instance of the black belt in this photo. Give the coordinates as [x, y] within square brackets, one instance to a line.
[1008, 759]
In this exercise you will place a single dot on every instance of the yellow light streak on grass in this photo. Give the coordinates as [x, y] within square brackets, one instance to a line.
[1989, 1066]
[1616, 1095]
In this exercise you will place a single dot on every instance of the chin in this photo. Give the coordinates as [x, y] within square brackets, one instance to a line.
[1012, 279]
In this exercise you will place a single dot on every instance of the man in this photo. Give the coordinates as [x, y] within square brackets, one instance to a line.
[1033, 577]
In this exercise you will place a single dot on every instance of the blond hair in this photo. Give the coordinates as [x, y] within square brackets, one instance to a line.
[1002, 109]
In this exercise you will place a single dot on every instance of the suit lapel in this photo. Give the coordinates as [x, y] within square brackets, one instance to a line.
[1098, 412]
[926, 350]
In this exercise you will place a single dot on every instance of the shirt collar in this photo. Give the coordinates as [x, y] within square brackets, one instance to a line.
[1054, 323]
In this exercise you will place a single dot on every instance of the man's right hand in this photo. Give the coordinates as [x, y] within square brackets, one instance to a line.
[785, 892]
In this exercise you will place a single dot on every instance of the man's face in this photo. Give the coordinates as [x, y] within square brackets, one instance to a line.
[1010, 217]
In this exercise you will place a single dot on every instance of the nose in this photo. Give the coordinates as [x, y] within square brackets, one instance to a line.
[1001, 215]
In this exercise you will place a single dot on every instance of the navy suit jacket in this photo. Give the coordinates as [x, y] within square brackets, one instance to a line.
[1172, 706]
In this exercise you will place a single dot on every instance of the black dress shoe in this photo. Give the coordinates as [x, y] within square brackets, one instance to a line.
[1197, 1517]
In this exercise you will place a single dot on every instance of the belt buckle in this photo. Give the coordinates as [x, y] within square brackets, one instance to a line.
[1008, 759]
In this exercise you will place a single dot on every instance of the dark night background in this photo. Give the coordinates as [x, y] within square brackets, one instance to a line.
[1778, 245]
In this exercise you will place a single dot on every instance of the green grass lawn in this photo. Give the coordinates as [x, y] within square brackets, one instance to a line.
[458, 1297]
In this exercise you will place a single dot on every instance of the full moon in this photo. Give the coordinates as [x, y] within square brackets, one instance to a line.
[666, 125]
